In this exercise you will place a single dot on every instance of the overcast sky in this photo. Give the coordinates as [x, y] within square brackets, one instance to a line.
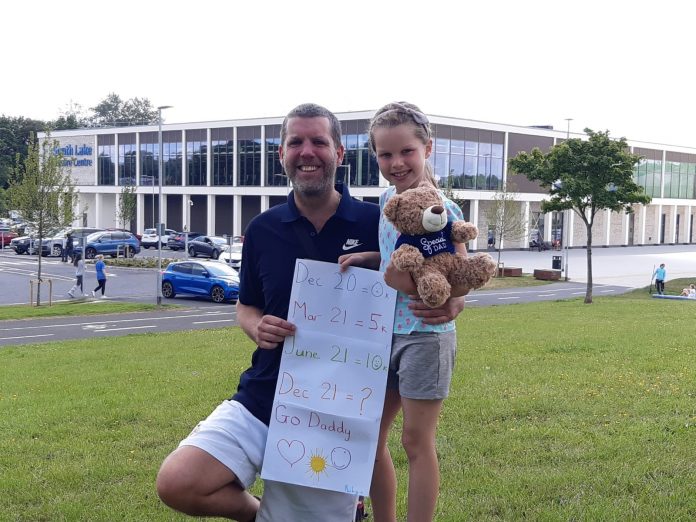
[622, 66]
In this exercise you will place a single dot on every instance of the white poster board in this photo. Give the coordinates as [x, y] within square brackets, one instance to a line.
[332, 379]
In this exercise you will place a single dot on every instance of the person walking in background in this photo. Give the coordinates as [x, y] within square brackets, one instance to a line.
[660, 276]
[79, 265]
[68, 251]
[68, 248]
[100, 267]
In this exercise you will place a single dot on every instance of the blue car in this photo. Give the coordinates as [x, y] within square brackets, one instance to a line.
[212, 279]
[110, 243]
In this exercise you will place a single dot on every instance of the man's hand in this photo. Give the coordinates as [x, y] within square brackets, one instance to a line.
[267, 331]
[447, 312]
[272, 330]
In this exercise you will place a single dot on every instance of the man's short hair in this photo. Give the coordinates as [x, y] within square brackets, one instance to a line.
[312, 110]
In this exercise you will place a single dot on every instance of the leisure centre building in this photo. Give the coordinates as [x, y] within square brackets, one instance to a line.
[218, 175]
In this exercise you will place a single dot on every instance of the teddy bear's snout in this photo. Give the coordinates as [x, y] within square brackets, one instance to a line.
[434, 218]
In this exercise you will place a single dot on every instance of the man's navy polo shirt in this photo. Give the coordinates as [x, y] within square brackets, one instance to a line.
[271, 247]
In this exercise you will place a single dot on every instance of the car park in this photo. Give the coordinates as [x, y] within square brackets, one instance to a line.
[209, 246]
[212, 279]
[178, 240]
[233, 256]
[112, 243]
[150, 237]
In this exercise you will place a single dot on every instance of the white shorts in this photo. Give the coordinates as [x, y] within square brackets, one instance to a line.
[238, 439]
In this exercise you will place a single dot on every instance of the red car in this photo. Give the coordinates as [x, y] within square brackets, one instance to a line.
[6, 236]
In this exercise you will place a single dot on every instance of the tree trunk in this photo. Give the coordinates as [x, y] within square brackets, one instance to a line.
[38, 276]
[588, 292]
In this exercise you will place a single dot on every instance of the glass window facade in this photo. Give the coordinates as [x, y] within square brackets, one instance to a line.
[648, 172]
[359, 162]
[196, 157]
[171, 157]
[106, 159]
[680, 171]
[274, 170]
[249, 156]
[149, 159]
[127, 158]
[467, 158]
[223, 156]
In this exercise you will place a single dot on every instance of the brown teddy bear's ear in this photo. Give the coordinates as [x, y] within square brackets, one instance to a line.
[392, 208]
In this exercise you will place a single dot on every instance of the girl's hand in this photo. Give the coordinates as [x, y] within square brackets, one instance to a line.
[363, 259]
[447, 312]
[399, 280]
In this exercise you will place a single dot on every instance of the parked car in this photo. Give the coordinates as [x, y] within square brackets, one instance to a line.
[233, 256]
[150, 237]
[204, 278]
[109, 243]
[139, 236]
[6, 236]
[209, 246]
[177, 241]
[23, 245]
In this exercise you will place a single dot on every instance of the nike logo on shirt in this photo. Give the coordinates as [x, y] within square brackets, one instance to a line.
[351, 243]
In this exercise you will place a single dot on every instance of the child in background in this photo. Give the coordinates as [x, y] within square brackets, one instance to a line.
[79, 265]
[422, 356]
[100, 267]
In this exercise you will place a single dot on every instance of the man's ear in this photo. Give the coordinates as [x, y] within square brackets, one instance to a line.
[340, 152]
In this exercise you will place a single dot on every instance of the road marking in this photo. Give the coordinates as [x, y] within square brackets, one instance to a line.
[504, 298]
[128, 328]
[472, 300]
[607, 291]
[545, 295]
[218, 321]
[578, 293]
[26, 337]
[115, 321]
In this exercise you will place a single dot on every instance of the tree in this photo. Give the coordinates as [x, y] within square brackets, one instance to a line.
[42, 193]
[112, 111]
[127, 205]
[506, 217]
[585, 176]
[71, 118]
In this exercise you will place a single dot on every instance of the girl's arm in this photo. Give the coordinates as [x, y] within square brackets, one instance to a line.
[364, 259]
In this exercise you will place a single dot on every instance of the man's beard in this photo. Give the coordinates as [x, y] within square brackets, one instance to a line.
[313, 187]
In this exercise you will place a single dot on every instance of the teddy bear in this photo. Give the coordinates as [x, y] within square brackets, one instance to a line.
[425, 247]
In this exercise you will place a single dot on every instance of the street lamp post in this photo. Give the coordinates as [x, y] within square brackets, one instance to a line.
[566, 216]
[159, 204]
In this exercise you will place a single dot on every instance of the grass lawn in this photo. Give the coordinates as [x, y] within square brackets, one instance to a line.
[77, 307]
[558, 411]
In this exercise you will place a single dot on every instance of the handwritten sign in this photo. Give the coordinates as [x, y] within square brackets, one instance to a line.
[332, 378]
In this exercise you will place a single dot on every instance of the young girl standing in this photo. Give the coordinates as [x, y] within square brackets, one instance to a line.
[422, 356]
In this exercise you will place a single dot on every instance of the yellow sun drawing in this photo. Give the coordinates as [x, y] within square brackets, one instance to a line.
[317, 463]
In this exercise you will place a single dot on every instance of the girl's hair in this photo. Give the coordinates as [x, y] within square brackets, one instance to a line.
[403, 113]
[76, 259]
